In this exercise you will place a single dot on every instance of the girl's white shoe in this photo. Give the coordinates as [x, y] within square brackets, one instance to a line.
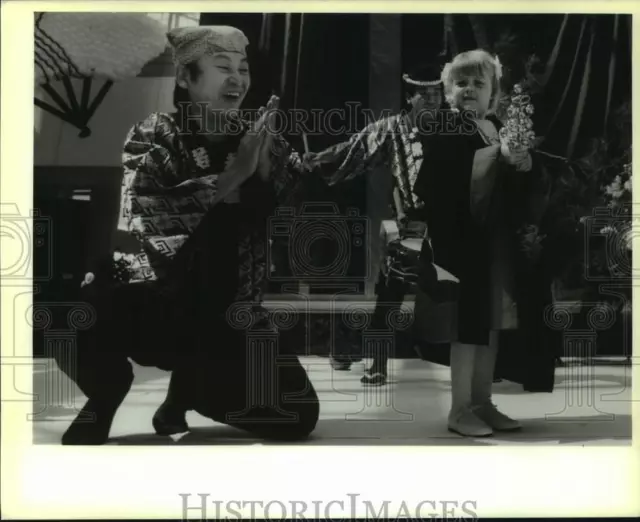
[494, 418]
[466, 423]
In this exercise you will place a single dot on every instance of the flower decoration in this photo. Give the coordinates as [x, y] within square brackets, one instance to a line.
[619, 191]
[518, 130]
[619, 196]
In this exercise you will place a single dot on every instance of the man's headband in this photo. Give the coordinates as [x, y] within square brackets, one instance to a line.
[417, 83]
[191, 43]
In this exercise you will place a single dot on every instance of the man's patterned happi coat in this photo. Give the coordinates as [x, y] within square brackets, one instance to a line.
[390, 141]
[169, 184]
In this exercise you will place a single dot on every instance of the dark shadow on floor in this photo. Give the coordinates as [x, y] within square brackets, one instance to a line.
[214, 436]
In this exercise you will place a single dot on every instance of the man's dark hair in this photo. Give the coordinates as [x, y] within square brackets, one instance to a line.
[180, 94]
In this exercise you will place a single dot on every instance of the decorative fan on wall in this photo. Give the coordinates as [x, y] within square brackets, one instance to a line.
[93, 47]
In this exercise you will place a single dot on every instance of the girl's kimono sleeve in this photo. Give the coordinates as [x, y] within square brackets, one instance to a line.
[452, 164]
[160, 206]
[536, 189]
[366, 150]
[524, 194]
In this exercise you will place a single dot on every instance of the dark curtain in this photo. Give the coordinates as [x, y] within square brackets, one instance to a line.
[587, 78]
[333, 73]
[584, 74]
[424, 38]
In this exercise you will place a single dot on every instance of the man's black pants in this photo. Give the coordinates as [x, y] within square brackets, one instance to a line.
[240, 378]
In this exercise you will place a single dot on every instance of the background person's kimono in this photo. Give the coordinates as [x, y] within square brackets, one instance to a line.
[395, 143]
[475, 205]
[392, 141]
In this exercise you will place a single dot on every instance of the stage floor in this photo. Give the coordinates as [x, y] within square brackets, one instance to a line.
[590, 406]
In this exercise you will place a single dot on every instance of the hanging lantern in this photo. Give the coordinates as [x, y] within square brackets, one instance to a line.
[94, 47]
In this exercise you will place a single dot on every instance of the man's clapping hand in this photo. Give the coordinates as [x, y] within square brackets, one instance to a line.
[267, 125]
[251, 149]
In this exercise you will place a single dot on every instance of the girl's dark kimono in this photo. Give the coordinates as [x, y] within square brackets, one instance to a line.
[475, 205]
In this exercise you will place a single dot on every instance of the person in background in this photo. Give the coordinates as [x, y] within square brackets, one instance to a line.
[395, 142]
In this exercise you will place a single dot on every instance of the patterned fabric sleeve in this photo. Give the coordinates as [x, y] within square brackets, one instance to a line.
[287, 173]
[366, 150]
[160, 205]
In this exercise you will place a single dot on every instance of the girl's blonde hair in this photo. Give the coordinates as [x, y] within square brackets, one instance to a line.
[477, 62]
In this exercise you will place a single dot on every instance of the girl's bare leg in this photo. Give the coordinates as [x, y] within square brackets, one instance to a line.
[484, 365]
[462, 419]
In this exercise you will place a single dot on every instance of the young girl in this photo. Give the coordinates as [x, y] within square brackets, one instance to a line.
[476, 193]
